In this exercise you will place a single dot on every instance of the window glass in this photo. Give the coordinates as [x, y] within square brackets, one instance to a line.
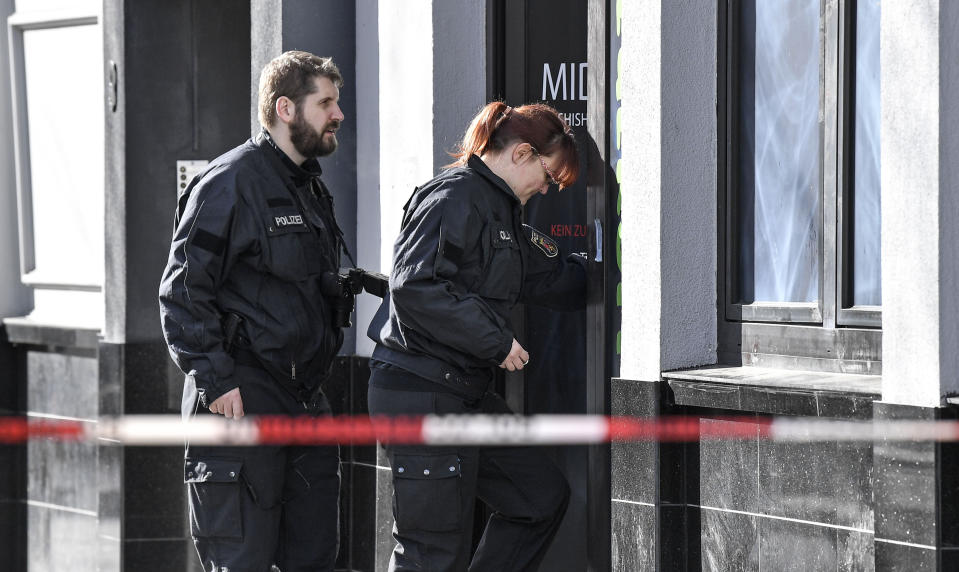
[64, 87]
[778, 157]
[867, 288]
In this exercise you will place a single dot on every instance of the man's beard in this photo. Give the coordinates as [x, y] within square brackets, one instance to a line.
[308, 141]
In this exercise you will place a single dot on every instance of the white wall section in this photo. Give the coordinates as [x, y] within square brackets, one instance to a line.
[406, 110]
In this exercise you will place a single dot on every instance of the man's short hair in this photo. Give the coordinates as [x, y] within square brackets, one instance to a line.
[291, 74]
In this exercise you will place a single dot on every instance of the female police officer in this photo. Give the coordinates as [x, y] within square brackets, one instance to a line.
[462, 260]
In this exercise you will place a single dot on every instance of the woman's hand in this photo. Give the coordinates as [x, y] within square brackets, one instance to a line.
[517, 358]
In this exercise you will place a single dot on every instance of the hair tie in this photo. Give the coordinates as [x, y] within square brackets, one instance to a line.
[503, 116]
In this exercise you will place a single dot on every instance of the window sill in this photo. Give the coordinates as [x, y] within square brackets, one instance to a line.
[775, 391]
[25, 330]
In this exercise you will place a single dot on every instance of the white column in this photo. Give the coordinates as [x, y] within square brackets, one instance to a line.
[668, 186]
[406, 110]
[919, 209]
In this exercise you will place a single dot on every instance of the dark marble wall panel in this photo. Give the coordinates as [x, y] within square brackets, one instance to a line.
[362, 538]
[853, 471]
[633, 464]
[787, 546]
[779, 401]
[949, 560]
[13, 459]
[678, 531]
[844, 406]
[141, 496]
[61, 539]
[712, 395]
[384, 542]
[855, 551]
[895, 557]
[13, 475]
[949, 488]
[154, 499]
[13, 533]
[730, 542]
[151, 382]
[345, 516]
[633, 536]
[110, 506]
[13, 383]
[905, 486]
[62, 384]
[729, 476]
[62, 473]
[672, 473]
[359, 383]
[798, 480]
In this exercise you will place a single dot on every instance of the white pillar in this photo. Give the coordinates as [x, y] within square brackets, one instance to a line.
[919, 205]
[406, 110]
[668, 186]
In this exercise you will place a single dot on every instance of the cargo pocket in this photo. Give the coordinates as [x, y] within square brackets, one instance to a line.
[427, 492]
[215, 489]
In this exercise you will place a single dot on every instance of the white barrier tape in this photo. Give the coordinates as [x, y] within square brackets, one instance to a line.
[149, 430]
[514, 429]
[155, 430]
[805, 429]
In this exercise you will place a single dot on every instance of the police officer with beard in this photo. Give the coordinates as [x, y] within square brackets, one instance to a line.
[246, 317]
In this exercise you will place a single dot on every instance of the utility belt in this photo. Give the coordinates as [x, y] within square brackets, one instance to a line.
[469, 384]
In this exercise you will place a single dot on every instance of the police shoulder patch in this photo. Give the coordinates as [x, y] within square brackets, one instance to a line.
[542, 242]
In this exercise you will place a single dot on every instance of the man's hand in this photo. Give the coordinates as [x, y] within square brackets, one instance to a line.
[229, 404]
[517, 358]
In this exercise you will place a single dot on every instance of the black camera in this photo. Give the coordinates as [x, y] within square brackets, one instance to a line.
[341, 288]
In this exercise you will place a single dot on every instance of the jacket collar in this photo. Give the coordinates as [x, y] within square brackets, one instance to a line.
[477, 165]
[300, 174]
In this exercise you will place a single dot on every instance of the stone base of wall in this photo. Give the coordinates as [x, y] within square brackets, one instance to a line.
[757, 504]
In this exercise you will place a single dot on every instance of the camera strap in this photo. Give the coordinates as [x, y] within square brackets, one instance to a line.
[320, 191]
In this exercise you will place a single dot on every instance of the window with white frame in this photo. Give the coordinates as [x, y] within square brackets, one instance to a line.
[58, 110]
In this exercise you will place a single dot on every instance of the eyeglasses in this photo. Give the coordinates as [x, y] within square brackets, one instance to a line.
[550, 177]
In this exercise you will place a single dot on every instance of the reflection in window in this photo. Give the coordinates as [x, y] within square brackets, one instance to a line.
[867, 287]
[778, 173]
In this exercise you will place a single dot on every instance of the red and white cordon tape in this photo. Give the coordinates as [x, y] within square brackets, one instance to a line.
[147, 430]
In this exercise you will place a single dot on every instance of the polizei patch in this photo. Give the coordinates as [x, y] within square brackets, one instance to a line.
[288, 220]
[543, 242]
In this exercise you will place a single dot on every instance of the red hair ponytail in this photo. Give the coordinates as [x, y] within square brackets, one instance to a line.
[498, 125]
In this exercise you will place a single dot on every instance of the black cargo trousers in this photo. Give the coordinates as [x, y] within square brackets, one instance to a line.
[251, 507]
[434, 489]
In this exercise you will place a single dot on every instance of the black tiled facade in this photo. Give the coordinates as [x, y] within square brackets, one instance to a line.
[758, 504]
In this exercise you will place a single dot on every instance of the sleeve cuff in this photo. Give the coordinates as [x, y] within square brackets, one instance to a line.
[211, 392]
[501, 356]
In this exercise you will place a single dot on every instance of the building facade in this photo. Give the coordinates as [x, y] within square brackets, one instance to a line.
[768, 210]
